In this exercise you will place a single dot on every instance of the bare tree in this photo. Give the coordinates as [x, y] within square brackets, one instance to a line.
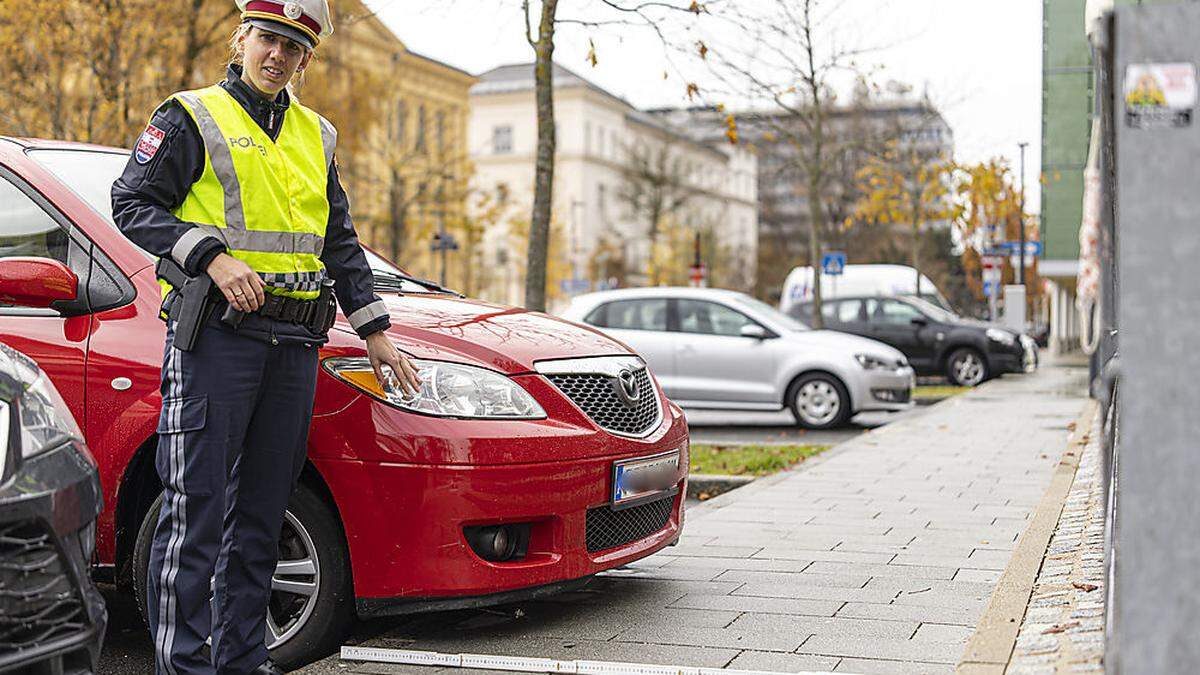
[786, 56]
[642, 13]
[655, 187]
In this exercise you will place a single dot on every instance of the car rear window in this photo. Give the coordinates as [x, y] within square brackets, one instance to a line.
[88, 173]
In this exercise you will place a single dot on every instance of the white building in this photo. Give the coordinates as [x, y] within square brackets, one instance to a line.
[603, 145]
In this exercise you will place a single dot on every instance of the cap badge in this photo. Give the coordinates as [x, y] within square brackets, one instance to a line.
[292, 10]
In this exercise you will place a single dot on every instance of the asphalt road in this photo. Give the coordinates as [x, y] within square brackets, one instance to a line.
[127, 646]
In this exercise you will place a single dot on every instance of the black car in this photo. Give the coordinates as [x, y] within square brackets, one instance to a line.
[935, 341]
[51, 616]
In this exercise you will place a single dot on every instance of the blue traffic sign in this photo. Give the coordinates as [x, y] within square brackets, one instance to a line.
[833, 263]
[990, 288]
[1033, 249]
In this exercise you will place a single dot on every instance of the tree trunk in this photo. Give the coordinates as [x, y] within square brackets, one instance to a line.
[539, 223]
[916, 238]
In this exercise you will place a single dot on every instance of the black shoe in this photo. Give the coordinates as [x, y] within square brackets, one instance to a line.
[268, 668]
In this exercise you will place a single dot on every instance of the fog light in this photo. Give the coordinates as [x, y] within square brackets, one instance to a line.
[498, 543]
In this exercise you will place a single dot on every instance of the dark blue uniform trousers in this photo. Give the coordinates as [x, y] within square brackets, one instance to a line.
[232, 438]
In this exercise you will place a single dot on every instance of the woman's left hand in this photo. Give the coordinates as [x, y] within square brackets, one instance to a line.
[382, 352]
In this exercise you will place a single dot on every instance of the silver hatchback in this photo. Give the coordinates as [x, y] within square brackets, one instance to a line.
[723, 350]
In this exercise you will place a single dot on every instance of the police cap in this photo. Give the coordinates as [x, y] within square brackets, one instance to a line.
[305, 21]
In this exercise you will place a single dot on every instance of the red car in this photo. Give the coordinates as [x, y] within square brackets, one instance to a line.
[539, 453]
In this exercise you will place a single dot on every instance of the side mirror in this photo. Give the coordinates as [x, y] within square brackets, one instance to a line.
[753, 330]
[36, 282]
[920, 321]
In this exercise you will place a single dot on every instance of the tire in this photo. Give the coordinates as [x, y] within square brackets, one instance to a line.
[819, 401]
[966, 367]
[313, 625]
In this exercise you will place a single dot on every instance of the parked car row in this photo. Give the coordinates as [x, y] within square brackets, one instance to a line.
[935, 341]
[723, 350]
[538, 453]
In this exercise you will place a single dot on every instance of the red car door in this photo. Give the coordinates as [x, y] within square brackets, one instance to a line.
[30, 227]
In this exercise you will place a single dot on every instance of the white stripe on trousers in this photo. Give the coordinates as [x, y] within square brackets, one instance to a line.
[165, 638]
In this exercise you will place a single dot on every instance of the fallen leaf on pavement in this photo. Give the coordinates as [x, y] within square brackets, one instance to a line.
[1086, 588]
[1060, 628]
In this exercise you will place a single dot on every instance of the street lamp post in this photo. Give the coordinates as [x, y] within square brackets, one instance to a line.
[1021, 215]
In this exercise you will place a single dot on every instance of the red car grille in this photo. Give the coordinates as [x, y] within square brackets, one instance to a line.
[596, 395]
[607, 528]
[38, 601]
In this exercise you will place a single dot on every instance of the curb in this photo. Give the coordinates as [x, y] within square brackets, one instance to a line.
[714, 484]
[991, 645]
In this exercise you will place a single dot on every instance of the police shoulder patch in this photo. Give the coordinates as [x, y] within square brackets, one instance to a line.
[148, 144]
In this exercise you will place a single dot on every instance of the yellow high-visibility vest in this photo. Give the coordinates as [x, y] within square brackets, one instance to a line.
[265, 199]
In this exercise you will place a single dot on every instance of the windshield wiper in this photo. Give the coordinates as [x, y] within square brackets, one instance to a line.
[395, 280]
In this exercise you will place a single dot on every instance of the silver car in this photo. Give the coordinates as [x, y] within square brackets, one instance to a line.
[723, 350]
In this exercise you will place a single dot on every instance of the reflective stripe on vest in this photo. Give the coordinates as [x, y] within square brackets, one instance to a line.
[266, 200]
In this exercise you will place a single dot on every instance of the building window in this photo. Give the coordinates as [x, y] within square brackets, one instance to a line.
[420, 140]
[401, 122]
[600, 141]
[441, 131]
[587, 137]
[502, 140]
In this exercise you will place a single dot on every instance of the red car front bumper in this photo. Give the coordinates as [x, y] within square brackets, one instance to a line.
[404, 520]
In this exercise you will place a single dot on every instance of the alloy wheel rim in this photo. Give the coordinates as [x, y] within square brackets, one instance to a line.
[818, 402]
[968, 369]
[294, 584]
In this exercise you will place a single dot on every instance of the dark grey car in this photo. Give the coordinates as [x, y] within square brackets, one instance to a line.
[51, 616]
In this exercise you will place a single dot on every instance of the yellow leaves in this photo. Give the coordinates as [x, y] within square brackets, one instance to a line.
[591, 55]
[702, 49]
[693, 90]
[731, 130]
[696, 8]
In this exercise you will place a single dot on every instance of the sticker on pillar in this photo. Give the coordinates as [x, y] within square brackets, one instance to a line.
[1160, 95]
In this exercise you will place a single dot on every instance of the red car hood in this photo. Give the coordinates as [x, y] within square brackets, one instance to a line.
[507, 339]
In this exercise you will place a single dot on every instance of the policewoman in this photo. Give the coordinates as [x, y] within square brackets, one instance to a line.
[237, 181]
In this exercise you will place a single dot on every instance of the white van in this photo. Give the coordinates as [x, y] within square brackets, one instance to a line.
[857, 280]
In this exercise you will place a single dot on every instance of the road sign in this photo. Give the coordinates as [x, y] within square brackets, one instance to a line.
[1033, 249]
[991, 289]
[574, 286]
[833, 263]
[443, 242]
[698, 275]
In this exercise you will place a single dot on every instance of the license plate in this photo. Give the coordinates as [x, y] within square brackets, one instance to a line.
[634, 480]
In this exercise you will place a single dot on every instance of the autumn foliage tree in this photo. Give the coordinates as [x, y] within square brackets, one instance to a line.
[987, 211]
[904, 186]
[94, 71]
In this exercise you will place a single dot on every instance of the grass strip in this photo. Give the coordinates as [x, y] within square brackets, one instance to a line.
[938, 391]
[749, 460]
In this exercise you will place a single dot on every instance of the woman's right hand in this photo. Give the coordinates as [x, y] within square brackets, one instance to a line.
[241, 286]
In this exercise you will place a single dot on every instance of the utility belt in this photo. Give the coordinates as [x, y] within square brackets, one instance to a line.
[199, 297]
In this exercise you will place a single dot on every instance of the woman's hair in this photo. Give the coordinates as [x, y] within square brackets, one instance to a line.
[235, 42]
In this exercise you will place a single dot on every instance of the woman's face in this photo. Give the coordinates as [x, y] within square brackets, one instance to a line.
[269, 60]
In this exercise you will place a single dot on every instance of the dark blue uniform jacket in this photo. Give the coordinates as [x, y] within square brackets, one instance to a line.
[146, 193]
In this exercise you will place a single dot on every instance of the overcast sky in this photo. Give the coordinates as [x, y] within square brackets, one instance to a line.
[979, 60]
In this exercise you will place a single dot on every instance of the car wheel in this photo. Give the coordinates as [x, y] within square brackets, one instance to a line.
[312, 600]
[966, 367]
[819, 401]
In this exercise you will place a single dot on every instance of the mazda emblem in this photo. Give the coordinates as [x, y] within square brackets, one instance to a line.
[626, 387]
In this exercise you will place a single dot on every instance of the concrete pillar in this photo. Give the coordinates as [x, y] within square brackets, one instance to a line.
[1156, 551]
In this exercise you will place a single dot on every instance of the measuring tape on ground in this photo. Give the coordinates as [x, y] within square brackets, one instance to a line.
[530, 664]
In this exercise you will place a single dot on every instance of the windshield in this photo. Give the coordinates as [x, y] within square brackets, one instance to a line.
[769, 312]
[931, 310]
[388, 277]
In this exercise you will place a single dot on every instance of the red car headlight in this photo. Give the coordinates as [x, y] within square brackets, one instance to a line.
[447, 389]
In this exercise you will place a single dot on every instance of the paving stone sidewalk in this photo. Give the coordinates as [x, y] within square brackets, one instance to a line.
[1063, 629]
[879, 557]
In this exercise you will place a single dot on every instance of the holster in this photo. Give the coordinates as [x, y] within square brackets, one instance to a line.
[194, 304]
